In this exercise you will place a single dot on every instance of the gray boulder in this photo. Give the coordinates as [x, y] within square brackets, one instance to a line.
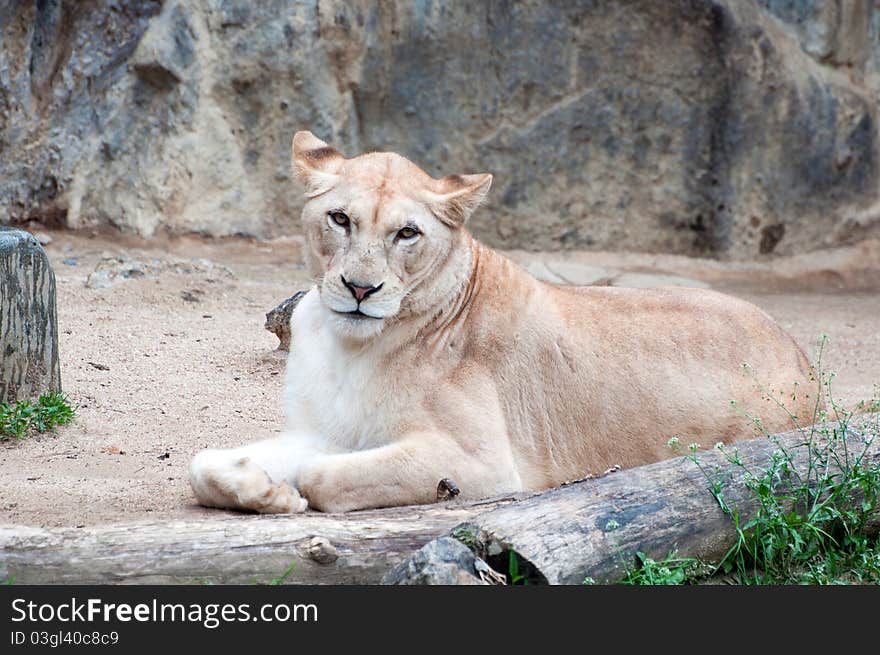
[443, 561]
[730, 128]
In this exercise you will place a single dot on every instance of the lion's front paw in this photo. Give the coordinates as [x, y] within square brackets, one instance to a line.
[220, 481]
[281, 498]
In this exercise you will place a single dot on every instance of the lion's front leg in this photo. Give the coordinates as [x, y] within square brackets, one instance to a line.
[256, 477]
[404, 473]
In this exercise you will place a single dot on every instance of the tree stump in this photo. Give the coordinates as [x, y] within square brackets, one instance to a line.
[28, 319]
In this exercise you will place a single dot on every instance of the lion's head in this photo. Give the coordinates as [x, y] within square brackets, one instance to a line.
[378, 232]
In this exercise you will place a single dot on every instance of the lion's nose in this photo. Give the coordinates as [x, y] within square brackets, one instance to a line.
[358, 290]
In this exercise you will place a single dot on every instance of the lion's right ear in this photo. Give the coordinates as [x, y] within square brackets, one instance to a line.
[315, 163]
[455, 197]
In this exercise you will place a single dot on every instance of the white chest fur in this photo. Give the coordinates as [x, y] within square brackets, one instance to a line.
[336, 395]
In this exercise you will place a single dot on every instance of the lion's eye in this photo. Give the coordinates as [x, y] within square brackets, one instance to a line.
[407, 232]
[340, 219]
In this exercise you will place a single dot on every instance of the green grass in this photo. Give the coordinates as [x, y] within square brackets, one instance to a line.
[514, 577]
[280, 580]
[671, 570]
[283, 577]
[810, 523]
[23, 418]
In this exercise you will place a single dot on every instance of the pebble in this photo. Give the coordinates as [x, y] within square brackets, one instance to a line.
[43, 238]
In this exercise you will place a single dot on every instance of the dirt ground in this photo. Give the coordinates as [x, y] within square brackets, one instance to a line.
[173, 358]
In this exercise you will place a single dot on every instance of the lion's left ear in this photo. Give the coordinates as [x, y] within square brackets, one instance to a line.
[315, 163]
[455, 197]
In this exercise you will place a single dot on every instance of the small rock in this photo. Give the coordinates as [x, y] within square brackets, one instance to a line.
[164, 455]
[444, 561]
[111, 270]
[43, 238]
[100, 367]
[191, 295]
[114, 269]
[278, 320]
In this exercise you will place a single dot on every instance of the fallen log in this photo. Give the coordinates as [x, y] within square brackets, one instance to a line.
[356, 548]
[589, 528]
[28, 319]
[593, 529]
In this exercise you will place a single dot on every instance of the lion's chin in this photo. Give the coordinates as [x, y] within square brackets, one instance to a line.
[356, 326]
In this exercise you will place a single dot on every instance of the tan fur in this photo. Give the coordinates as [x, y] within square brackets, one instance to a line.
[469, 368]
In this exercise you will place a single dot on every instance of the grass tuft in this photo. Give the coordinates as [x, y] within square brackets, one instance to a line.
[671, 570]
[813, 524]
[23, 418]
[811, 527]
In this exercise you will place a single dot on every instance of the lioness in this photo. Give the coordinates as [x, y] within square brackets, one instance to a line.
[422, 354]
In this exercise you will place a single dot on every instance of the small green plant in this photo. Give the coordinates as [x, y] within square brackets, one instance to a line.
[281, 578]
[276, 581]
[465, 535]
[514, 577]
[671, 570]
[810, 523]
[21, 418]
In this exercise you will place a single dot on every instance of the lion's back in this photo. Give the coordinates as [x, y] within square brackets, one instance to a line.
[590, 377]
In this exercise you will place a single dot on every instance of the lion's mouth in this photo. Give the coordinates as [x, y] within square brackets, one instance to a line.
[356, 314]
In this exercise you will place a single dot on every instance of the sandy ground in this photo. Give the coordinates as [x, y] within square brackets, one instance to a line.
[174, 360]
